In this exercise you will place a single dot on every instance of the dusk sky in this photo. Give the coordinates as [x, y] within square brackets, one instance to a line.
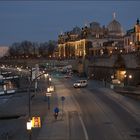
[40, 21]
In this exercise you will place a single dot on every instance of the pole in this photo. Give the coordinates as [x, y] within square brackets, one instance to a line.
[30, 135]
[35, 86]
[62, 99]
[48, 103]
[29, 104]
[62, 108]
[29, 100]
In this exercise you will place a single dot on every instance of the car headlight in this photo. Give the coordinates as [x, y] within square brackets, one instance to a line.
[119, 82]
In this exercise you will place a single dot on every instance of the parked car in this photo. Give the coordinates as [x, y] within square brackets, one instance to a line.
[67, 76]
[80, 83]
[116, 81]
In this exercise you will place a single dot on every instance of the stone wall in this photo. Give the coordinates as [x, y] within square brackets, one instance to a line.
[100, 67]
[104, 67]
[108, 61]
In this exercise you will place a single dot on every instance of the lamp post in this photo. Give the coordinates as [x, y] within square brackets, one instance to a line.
[48, 94]
[127, 79]
[29, 128]
[29, 123]
[130, 77]
[50, 79]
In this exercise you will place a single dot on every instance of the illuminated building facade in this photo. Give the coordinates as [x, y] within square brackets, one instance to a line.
[73, 44]
[132, 38]
[90, 41]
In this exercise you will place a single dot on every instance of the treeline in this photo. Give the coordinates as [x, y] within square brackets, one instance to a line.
[28, 49]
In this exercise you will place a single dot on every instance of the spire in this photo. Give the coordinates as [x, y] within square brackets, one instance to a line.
[114, 15]
[86, 23]
[138, 21]
[61, 33]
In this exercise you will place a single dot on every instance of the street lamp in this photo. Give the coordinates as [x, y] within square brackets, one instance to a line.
[46, 75]
[128, 78]
[29, 123]
[50, 79]
[48, 94]
[31, 82]
[112, 76]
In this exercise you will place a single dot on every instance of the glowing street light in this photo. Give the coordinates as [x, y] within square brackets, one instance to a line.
[46, 75]
[130, 76]
[112, 76]
[48, 94]
[29, 125]
[48, 89]
[50, 79]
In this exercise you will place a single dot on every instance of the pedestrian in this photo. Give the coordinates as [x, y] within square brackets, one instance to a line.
[56, 111]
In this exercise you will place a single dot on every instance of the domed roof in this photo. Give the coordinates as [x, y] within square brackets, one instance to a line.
[115, 26]
[94, 25]
[76, 30]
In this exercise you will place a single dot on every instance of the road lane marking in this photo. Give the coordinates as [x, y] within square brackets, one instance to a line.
[84, 128]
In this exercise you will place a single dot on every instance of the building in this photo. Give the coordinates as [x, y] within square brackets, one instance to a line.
[3, 51]
[132, 38]
[107, 39]
[91, 40]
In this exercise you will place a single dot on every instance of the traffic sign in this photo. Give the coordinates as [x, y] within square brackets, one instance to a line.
[48, 94]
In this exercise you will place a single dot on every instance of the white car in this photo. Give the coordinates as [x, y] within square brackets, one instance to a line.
[80, 83]
[116, 81]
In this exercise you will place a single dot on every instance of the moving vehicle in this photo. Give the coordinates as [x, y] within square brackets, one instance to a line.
[116, 81]
[80, 83]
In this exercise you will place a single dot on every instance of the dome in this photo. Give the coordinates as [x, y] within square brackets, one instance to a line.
[76, 30]
[115, 27]
[94, 25]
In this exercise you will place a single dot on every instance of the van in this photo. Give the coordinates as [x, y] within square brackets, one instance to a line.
[80, 83]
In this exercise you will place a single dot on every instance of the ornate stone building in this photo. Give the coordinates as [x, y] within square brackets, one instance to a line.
[132, 38]
[90, 41]
[73, 44]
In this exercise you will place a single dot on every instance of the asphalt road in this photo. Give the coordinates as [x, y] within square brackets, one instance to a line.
[95, 111]
[104, 116]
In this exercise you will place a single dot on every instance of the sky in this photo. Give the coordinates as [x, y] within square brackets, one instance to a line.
[41, 21]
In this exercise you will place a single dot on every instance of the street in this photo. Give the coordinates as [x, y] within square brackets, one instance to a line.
[107, 117]
[91, 113]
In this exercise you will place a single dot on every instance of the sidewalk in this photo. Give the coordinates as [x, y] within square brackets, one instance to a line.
[64, 128]
[54, 129]
[68, 126]
[129, 104]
